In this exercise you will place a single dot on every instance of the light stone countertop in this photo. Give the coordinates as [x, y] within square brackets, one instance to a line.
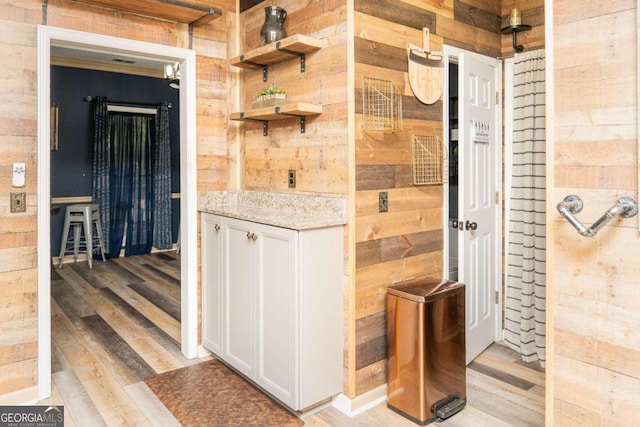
[288, 210]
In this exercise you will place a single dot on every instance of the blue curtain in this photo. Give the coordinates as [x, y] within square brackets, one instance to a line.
[101, 162]
[132, 179]
[162, 237]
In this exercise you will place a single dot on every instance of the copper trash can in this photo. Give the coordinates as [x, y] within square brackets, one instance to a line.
[426, 349]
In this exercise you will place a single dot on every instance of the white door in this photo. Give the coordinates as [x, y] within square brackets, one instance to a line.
[276, 289]
[212, 304]
[479, 198]
[239, 295]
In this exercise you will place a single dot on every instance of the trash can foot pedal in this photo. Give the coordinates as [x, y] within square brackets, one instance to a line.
[449, 406]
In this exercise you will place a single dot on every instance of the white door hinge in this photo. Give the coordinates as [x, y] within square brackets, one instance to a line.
[497, 297]
[497, 98]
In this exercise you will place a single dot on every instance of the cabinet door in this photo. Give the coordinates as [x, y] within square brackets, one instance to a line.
[276, 288]
[239, 318]
[211, 260]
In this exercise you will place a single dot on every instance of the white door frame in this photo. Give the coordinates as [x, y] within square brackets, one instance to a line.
[451, 54]
[50, 36]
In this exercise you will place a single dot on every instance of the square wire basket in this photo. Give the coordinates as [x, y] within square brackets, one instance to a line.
[381, 105]
[429, 154]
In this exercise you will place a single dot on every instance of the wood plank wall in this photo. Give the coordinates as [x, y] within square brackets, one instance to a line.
[319, 156]
[593, 292]
[406, 241]
[18, 133]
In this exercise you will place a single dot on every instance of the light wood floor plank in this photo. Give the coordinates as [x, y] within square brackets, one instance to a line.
[78, 406]
[117, 350]
[511, 396]
[92, 385]
[104, 274]
[105, 391]
[56, 400]
[83, 291]
[158, 358]
[150, 406]
[69, 300]
[151, 275]
[491, 359]
[155, 294]
[507, 402]
[165, 322]
[166, 270]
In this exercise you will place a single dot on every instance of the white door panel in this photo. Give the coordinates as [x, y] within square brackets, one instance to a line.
[239, 322]
[479, 149]
[277, 295]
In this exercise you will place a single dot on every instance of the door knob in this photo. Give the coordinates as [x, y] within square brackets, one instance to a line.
[454, 223]
[470, 225]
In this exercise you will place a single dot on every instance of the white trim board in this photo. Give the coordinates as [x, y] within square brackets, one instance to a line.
[50, 36]
[362, 403]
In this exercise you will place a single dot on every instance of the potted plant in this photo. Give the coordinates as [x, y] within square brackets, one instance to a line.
[270, 96]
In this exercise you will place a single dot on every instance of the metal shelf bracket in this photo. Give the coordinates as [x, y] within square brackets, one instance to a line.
[303, 119]
[302, 56]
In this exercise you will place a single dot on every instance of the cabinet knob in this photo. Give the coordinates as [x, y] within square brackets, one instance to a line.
[217, 227]
[252, 236]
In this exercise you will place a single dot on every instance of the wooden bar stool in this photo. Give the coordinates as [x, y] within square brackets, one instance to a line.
[82, 232]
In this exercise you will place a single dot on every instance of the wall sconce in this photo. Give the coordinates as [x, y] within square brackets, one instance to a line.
[172, 73]
[514, 27]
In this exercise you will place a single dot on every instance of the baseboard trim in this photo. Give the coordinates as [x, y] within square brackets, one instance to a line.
[26, 396]
[362, 403]
[203, 352]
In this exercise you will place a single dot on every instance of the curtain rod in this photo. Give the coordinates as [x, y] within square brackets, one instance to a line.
[130, 103]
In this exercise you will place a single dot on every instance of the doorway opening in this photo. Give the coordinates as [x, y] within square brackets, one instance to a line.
[452, 190]
[76, 40]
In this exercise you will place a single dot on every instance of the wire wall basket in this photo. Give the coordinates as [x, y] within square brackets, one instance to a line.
[429, 154]
[381, 105]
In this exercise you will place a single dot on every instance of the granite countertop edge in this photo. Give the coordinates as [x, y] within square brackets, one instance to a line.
[293, 211]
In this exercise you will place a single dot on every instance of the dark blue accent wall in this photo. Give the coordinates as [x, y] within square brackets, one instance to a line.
[71, 164]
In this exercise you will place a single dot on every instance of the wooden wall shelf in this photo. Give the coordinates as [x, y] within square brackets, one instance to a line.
[279, 112]
[171, 10]
[294, 46]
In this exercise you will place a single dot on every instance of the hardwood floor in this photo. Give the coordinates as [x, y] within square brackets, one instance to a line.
[119, 322]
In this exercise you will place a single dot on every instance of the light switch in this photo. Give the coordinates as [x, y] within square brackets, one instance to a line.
[18, 175]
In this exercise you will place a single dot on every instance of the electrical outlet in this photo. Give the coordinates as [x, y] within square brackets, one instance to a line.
[383, 201]
[18, 202]
[291, 178]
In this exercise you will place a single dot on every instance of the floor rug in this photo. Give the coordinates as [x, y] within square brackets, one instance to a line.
[211, 394]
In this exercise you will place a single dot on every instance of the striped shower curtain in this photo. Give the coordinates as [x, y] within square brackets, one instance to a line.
[525, 327]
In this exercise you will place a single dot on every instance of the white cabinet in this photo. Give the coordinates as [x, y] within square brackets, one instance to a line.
[211, 260]
[282, 308]
[239, 297]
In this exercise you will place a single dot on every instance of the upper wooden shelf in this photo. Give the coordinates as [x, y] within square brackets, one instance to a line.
[290, 47]
[171, 10]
